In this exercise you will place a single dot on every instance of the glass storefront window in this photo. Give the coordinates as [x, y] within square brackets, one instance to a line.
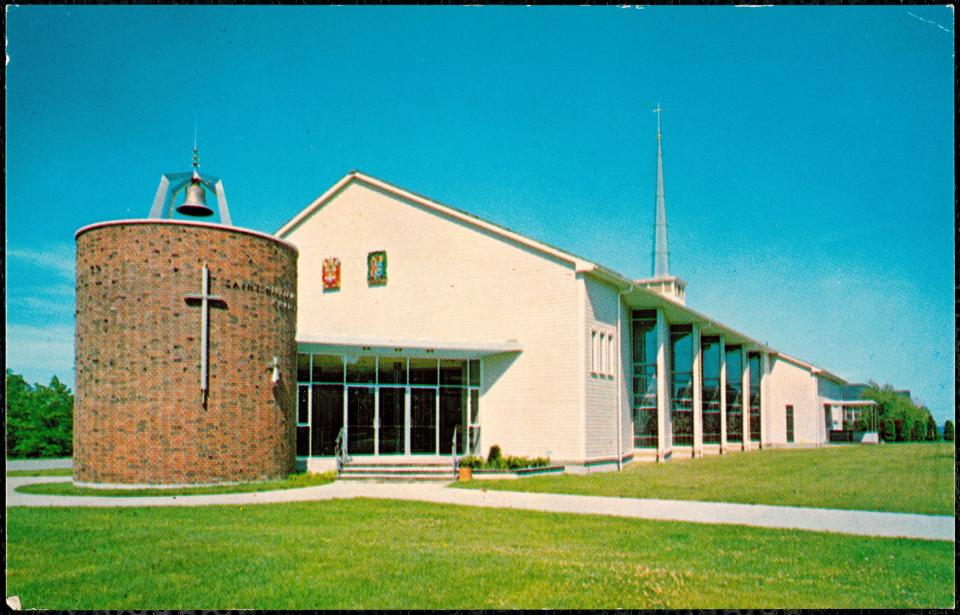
[681, 378]
[423, 371]
[327, 368]
[734, 362]
[392, 370]
[362, 370]
[303, 367]
[644, 347]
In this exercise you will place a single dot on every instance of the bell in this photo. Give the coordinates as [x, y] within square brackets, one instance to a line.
[195, 203]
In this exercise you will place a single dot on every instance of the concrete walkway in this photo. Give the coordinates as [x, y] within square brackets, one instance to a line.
[860, 523]
[39, 464]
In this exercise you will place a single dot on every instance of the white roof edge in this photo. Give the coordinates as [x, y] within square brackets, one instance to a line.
[850, 402]
[817, 371]
[579, 263]
[388, 342]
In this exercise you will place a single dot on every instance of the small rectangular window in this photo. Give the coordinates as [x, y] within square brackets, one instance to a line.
[604, 349]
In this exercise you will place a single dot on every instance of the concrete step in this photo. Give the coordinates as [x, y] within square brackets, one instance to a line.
[368, 470]
[401, 478]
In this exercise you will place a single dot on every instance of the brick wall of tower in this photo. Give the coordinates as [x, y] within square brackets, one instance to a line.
[139, 416]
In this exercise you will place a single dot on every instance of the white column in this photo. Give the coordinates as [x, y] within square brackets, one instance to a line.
[723, 396]
[745, 415]
[663, 391]
[697, 391]
[764, 397]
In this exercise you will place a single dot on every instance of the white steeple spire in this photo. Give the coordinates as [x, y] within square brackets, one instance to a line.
[661, 252]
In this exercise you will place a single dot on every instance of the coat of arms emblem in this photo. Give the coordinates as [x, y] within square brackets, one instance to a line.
[331, 273]
[377, 268]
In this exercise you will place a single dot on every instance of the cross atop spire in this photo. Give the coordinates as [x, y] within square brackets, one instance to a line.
[661, 253]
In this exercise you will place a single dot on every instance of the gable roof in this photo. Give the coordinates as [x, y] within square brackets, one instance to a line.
[582, 265]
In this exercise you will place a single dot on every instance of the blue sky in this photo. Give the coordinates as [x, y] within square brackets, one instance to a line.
[808, 150]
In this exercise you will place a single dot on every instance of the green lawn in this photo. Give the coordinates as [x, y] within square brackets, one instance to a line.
[377, 554]
[43, 472]
[916, 478]
[294, 481]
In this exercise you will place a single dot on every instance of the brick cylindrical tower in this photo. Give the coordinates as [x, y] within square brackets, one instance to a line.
[142, 415]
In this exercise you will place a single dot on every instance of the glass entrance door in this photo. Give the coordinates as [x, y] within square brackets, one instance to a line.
[423, 420]
[391, 420]
[361, 411]
[452, 402]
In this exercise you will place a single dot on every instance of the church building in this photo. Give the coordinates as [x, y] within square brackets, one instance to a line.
[423, 330]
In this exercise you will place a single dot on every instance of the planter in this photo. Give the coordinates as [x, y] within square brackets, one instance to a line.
[465, 473]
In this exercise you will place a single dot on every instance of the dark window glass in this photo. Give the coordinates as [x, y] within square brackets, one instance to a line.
[755, 367]
[303, 408]
[423, 371]
[391, 420]
[453, 372]
[474, 406]
[452, 402]
[362, 370]
[681, 362]
[733, 359]
[423, 418]
[644, 346]
[392, 370]
[360, 415]
[303, 368]
[303, 441]
[789, 423]
[327, 410]
[328, 368]
[475, 373]
[710, 389]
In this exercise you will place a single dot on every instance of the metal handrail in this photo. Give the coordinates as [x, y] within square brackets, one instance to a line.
[339, 450]
[453, 451]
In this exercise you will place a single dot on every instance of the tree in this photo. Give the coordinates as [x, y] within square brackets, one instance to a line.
[910, 421]
[948, 433]
[888, 430]
[39, 418]
[932, 428]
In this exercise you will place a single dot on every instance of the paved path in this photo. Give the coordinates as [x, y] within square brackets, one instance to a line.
[862, 523]
[39, 464]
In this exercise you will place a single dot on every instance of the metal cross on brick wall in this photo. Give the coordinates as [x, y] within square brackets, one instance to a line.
[205, 300]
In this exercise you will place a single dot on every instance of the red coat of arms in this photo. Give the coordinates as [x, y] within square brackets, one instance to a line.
[331, 273]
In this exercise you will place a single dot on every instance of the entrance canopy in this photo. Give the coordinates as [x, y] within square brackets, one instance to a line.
[437, 349]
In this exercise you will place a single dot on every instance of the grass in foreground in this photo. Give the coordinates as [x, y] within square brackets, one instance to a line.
[42, 472]
[294, 481]
[378, 554]
[917, 478]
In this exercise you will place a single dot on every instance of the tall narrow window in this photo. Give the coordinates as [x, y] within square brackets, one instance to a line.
[594, 344]
[612, 356]
[681, 380]
[789, 423]
[710, 388]
[734, 361]
[644, 356]
[755, 373]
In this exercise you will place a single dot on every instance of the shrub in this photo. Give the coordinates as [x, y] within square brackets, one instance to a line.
[948, 431]
[499, 462]
[471, 461]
